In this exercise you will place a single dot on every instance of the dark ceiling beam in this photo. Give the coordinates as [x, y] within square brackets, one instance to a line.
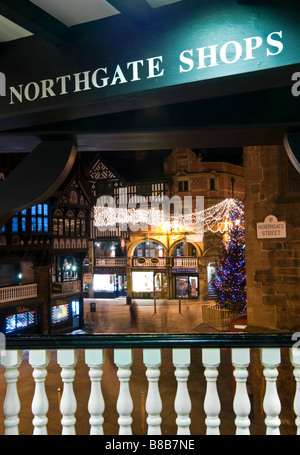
[137, 11]
[35, 20]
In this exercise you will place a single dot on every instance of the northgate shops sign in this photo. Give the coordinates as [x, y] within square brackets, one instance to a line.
[230, 54]
[119, 67]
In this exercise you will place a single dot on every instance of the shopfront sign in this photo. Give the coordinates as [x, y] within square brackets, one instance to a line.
[210, 42]
[141, 260]
[184, 270]
[271, 228]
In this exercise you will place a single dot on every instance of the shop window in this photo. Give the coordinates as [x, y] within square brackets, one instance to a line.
[20, 321]
[59, 313]
[75, 308]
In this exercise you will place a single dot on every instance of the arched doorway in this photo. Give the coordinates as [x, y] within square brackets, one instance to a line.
[185, 271]
[148, 270]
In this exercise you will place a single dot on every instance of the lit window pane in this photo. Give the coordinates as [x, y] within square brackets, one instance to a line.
[21, 320]
[40, 209]
[45, 209]
[23, 224]
[33, 224]
[40, 224]
[14, 226]
[46, 228]
[33, 210]
[10, 325]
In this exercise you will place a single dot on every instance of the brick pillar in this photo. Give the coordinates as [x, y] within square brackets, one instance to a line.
[272, 265]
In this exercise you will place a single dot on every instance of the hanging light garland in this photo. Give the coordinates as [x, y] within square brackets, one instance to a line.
[214, 219]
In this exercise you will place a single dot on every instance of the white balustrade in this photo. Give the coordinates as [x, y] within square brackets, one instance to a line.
[152, 361]
[152, 365]
[23, 291]
[94, 358]
[270, 359]
[212, 406]
[67, 360]
[241, 402]
[39, 360]
[295, 359]
[123, 360]
[183, 406]
[11, 360]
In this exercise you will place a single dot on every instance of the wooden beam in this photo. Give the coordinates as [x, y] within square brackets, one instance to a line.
[137, 11]
[35, 20]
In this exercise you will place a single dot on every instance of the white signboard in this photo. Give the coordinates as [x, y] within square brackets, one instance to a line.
[271, 228]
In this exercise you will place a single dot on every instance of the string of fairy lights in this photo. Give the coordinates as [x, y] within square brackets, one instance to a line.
[214, 218]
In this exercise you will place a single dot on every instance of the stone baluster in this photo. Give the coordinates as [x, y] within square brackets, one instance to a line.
[67, 359]
[241, 402]
[270, 359]
[123, 360]
[11, 360]
[94, 358]
[212, 406]
[295, 359]
[152, 361]
[183, 406]
[39, 360]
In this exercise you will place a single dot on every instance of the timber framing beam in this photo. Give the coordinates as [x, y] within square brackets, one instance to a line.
[35, 20]
[137, 11]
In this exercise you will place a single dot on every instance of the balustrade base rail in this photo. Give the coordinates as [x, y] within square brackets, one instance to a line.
[169, 384]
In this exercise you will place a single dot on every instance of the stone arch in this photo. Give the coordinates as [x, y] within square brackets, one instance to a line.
[134, 244]
[195, 244]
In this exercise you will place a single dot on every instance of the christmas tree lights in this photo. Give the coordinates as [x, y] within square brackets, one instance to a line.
[229, 282]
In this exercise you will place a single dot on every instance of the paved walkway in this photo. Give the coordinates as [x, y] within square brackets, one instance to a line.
[167, 316]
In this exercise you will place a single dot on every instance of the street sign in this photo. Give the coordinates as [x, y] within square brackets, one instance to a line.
[271, 228]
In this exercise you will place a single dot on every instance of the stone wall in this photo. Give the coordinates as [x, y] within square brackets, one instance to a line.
[272, 187]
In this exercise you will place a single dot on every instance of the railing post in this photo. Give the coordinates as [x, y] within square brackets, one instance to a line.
[123, 360]
[295, 359]
[152, 361]
[212, 406]
[94, 358]
[67, 360]
[183, 406]
[270, 358]
[11, 362]
[39, 360]
[241, 402]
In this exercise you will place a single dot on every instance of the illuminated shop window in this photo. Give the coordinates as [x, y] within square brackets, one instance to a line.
[11, 324]
[75, 308]
[20, 321]
[60, 313]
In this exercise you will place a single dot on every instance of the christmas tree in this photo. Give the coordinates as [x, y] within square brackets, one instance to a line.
[229, 282]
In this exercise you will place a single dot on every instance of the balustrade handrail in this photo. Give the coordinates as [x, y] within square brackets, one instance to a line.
[126, 341]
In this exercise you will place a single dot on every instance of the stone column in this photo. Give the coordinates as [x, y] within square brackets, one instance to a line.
[272, 265]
